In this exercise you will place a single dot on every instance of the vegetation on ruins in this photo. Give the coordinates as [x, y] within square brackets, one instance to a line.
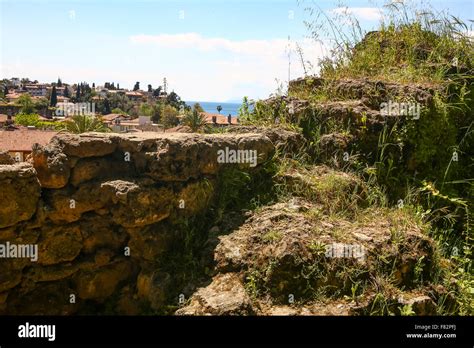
[422, 164]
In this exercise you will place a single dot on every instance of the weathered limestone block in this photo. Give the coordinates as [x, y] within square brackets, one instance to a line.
[98, 233]
[182, 156]
[150, 242]
[19, 193]
[98, 168]
[59, 244]
[144, 206]
[51, 165]
[100, 283]
[68, 205]
[226, 295]
[85, 145]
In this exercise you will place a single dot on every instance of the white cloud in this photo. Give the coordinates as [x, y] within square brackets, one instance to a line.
[361, 13]
[230, 69]
[197, 41]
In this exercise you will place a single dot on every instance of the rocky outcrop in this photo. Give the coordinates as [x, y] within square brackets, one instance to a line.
[296, 258]
[103, 210]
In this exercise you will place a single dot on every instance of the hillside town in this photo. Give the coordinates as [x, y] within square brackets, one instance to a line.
[34, 112]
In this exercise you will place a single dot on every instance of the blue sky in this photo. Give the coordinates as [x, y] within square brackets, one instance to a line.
[208, 50]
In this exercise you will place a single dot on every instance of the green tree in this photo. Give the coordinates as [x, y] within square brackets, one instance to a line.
[169, 116]
[60, 83]
[146, 109]
[195, 120]
[156, 92]
[66, 92]
[54, 97]
[85, 123]
[137, 86]
[5, 90]
[41, 103]
[219, 109]
[174, 100]
[26, 103]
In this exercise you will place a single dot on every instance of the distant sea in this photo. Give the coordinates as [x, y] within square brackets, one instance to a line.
[211, 107]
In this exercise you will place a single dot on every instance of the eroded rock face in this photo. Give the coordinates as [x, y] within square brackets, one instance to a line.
[19, 193]
[104, 211]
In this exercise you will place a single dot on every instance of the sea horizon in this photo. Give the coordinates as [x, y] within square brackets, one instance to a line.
[211, 107]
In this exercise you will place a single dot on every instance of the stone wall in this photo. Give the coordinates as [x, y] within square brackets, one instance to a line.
[101, 210]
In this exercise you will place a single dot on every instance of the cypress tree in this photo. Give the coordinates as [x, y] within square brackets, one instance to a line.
[54, 97]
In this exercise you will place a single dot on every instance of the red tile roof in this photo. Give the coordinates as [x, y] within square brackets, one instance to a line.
[23, 139]
[220, 119]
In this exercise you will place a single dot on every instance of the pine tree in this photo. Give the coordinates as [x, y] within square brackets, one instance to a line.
[137, 86]
[60, 83]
